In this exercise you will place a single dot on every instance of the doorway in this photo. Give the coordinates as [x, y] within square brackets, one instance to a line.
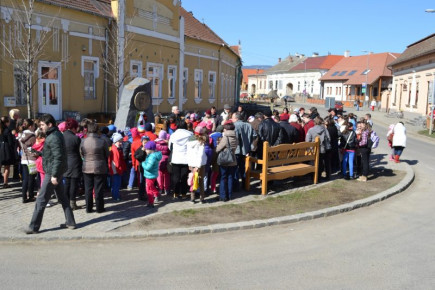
[49, 88]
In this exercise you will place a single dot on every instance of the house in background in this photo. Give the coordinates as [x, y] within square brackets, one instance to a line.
[187, 63]
[413, 77]
[251, 81]
[347, 80]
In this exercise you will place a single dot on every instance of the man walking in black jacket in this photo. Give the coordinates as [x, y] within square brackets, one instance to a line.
[54, 163]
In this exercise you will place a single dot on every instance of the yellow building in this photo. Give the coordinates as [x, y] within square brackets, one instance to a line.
[77, 69]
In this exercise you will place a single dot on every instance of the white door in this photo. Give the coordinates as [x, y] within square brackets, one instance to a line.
[50, 91]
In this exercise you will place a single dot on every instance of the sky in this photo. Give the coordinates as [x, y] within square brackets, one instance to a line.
[273, 29]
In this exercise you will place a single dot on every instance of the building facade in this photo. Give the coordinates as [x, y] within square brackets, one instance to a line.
[413, 78]
[92, 48]
[362, 78]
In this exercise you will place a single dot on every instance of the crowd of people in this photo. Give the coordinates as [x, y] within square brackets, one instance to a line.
[185, 158]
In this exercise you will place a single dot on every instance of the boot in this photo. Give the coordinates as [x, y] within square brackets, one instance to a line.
[73, 205]
[396, 158]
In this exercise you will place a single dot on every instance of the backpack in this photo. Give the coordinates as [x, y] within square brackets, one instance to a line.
[373, 141]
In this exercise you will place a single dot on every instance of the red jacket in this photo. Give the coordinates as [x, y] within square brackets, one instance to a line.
[134, 146]
[300, 131]
[116, 159]
[151, 135]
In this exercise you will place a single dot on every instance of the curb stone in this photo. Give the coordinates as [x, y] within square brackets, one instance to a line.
[245, 225]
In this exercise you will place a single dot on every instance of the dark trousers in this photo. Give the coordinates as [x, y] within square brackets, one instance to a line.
[47, 189]
[29, 181]
[71, 187]
[94, 182]
[179, 178]
[365, 160]
[226, 184]
[142, 184]
[325, 163]
[240, 172]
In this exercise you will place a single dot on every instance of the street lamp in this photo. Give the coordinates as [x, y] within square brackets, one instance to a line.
[433, 91]
[366, 97]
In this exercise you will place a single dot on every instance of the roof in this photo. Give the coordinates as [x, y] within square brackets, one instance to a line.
[98, 7]
[318, 63]
[197, 30]
[249, 72]
[236, 49]
[285, 65]
[420, 48]
[350, 70]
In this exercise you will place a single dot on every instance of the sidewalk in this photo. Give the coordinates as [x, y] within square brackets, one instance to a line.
[15, 215]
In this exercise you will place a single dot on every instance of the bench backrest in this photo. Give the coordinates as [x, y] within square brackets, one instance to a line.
[285, 154]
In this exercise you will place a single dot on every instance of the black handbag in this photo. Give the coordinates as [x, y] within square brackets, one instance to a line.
[5, 153]
[226, 156]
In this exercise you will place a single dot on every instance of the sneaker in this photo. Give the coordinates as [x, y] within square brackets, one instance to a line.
[164, 192]
[30, 231]
[156, 199]
[66, 226]
[50, 204]
[129, 188]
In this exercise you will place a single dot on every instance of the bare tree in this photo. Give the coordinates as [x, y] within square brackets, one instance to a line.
[27, 46]
[115, 55]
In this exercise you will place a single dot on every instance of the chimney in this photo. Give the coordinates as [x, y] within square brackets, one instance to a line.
[315, 54]
[279, 59]
[346, 53]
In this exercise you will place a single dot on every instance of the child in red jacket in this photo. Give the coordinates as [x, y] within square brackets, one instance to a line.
[117, 165]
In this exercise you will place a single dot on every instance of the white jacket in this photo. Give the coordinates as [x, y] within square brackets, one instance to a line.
[178, 141]
[399, 138]
[196, 156]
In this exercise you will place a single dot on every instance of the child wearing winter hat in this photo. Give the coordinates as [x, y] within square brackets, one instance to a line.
[117, 165]
[151, 171]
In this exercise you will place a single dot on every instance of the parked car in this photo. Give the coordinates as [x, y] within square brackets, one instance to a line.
[339, 106]
[289, 98]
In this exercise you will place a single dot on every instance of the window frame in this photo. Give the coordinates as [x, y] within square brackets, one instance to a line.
[173, 78]
[152, 77]
[21, 82]
[212, 85]
[140, 68]
[96, 74]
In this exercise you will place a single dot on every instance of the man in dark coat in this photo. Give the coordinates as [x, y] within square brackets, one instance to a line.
[269, 131]
[54, 163]
[73, 173]
[289, 133]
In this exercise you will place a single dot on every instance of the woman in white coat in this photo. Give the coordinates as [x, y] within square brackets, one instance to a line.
[399, 140]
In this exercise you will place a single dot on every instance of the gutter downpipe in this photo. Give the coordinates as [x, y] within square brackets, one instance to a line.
[181, 61]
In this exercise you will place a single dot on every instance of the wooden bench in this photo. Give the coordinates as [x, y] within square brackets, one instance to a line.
[283, 161]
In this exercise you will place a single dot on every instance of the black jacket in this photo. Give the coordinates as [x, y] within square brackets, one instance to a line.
[270, 131]
[289, 133]
[54, 158]
[140, 156]
[72, 146]
[351, 136]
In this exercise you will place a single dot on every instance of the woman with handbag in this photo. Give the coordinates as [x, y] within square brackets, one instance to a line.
[28, 161]
[7, 146]
[227, 161]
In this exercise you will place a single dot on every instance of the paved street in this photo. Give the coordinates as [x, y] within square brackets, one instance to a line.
[384, 246]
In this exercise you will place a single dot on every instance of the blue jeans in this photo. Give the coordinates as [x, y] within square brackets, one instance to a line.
[116, 186]
[398, 150]
[132, 177]
[228, 174]
[348, 158]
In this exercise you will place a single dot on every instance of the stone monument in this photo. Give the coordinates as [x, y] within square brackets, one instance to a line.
[135, 98]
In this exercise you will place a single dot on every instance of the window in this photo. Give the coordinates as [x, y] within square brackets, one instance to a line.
[211, 85]
[222, 86]
[198, 84]
[429, 90]
[276, 85]
[299, 86]
[342, 73]
[312, 87]
[20, 85]
[270, 85]
[185, 81]
[365, 72]
[416, 94]
[409, 94]
[172, 78]
[335, 73]
[89, 76]
[280, 85]
[135, 69]
[155, 75]
[90, 72]
[351, 73]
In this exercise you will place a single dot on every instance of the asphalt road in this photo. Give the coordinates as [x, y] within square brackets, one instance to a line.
[389, 245]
